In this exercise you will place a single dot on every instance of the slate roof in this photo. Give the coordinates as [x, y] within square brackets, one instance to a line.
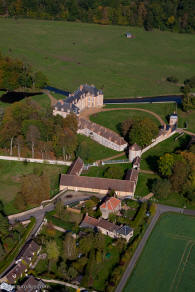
[83, 90]
[28, 250]
[137, 160]
[110, 204]
[16, 272]
[31, 284]
[124, 230]
[97, 183]
[76, 166]
[132, 175]
[63, 105]
[102, 131]
[135, 147]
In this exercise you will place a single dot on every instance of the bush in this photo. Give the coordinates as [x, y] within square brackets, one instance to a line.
[172, 79]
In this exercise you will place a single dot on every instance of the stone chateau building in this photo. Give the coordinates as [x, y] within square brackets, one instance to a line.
[86, 96]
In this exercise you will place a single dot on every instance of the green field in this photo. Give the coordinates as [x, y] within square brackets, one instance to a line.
[74, 53]
[10, 179]
[167, 262]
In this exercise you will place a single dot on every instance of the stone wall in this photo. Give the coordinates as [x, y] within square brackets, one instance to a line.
[158, 140]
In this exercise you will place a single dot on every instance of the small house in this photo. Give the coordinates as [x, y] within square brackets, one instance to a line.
[111, 205]
[129, 35]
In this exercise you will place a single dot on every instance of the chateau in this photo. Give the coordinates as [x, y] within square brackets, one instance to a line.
[86, 96]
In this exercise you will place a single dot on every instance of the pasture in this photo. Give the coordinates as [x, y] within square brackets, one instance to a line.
[167, 261]
[11, 176]
[74, 53]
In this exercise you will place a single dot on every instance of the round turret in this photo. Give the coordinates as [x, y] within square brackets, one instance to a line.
[134, 151]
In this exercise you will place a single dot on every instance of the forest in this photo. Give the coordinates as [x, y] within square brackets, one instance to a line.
[176, 15]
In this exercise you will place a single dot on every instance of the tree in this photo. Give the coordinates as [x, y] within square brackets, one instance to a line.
[161, 188]
[32, 136]
[126, 127]
[70, 249]
[114, 172]
[40, 80]
[143, 132]
[86, 243]
[4, 225]
[52, 251]
[165, 164]
[179, 177]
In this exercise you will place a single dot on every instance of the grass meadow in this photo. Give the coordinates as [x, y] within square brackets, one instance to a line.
[74, 53]
[167, 261]
[11, 175]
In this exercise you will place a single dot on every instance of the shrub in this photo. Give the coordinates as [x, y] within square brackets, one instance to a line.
[172, 79]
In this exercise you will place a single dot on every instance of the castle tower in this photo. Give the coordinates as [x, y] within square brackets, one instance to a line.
[134, 151]
[173, 120]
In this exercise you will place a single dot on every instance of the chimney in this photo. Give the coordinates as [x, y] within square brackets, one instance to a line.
[81, 87]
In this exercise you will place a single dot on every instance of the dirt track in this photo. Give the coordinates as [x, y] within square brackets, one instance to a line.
[88, 112]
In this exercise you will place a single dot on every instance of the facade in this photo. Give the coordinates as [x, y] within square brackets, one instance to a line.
[86, 96]
[134, 151]
[101, 135]
[107, 228]
[111, 205]
[122, 188]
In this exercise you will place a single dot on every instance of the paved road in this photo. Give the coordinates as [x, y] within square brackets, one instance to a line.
[160, 210]
[40, 214]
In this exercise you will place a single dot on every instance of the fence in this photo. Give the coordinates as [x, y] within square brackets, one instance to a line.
[22, 159]
[115, 161]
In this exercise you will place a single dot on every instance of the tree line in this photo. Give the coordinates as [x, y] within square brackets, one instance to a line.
[177, 15]
[15, 74]
[30, 130]
[177, 171]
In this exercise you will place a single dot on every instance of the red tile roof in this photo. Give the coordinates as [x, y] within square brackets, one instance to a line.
[90, 220]
[97, 183]
[111, 204]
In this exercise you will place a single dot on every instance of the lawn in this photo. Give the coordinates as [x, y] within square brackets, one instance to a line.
[144, 183]
[149, 158]
[113, 120]
[98, 171]
[74, 53]
[10, 179]
[162, 109]
[167, 262]
[42, 99]
[95, 151]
